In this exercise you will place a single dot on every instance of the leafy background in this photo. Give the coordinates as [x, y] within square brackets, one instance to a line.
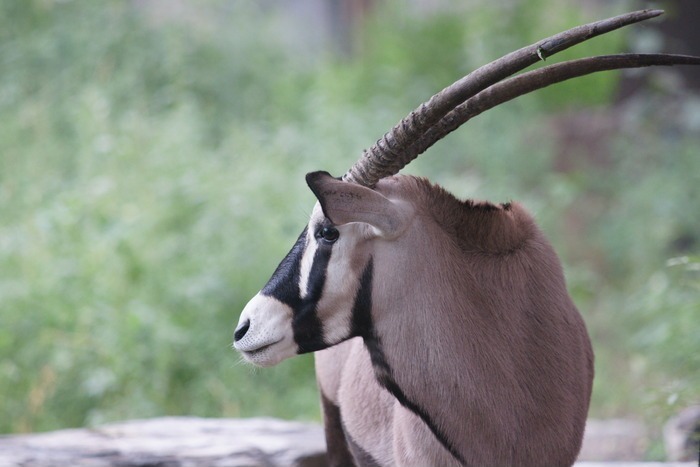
[152, 160]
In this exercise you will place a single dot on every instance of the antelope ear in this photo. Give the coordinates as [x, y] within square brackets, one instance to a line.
[345, 202]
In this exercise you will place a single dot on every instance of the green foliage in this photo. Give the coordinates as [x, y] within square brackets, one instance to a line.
[664, 315]
[128, 233]
[152, 178]
[638, 279]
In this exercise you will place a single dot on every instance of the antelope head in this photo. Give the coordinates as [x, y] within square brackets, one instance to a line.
[316, 296]
[308, 303]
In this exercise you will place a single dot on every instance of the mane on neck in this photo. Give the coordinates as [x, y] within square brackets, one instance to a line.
[476, 226]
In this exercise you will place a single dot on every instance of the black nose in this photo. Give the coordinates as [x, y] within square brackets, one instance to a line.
[240, 332]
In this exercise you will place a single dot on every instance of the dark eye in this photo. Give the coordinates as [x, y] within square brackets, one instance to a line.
[328, 234]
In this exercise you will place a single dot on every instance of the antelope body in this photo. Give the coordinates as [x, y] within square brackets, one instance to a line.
[443, 328]
[468, 347]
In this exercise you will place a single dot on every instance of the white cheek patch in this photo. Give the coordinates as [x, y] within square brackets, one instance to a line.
[334, 307]
[307, 261]
[342, 282]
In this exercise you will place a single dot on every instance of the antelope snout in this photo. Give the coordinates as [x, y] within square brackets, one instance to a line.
[264, 333]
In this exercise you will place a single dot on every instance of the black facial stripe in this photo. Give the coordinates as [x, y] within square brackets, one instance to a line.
[307, 327]
[317, 275]
[284, 283]
[284, 286]
[361, 316]
[362, 325]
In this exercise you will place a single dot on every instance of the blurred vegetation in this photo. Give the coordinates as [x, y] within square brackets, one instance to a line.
[152, 178]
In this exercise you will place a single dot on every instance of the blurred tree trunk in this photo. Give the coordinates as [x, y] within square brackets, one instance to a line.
[681, 32]
[346, 17]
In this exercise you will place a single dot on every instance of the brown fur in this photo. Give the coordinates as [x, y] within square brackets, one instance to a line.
[470, 306]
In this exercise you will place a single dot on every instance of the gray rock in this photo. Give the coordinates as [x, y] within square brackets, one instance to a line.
[256, 442]
[682, 435]
[614, 440]
[634, 464]
[172, 442]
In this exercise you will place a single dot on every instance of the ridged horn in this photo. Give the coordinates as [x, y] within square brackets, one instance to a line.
[537, 79]
[435, 118]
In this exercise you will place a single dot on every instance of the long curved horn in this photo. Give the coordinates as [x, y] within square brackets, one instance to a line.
[537, 79]
[392, 152]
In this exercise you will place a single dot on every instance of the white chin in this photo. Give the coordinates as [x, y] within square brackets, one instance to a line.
[270, 355]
